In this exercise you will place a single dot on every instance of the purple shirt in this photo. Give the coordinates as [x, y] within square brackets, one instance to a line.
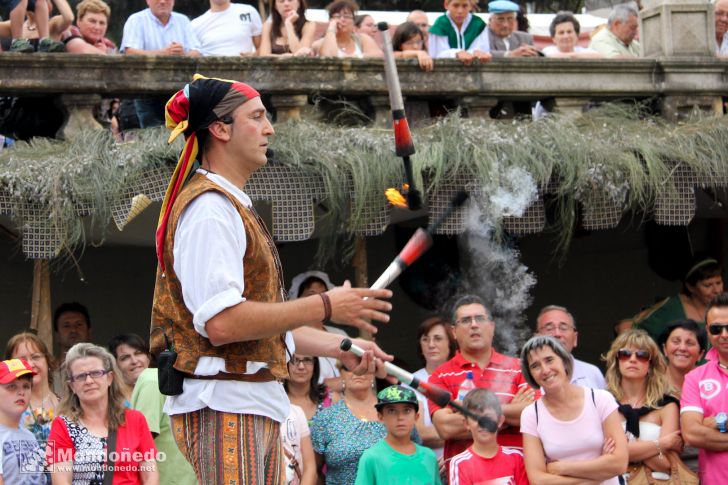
[705, 391]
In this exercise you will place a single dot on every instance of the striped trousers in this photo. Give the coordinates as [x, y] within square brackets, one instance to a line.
[230, 449]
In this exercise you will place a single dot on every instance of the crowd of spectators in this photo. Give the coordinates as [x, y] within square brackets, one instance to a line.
[236, 29]
[543, 416]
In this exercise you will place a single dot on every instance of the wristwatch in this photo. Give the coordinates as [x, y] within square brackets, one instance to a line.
[720, 422]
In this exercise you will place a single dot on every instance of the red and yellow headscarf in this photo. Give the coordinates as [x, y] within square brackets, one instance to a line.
[190, 110]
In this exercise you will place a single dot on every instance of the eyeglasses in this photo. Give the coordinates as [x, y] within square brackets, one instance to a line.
[415, 43]
[641, 355]
[344, 16]
[562, 327]
[717, 329]
[33, 358]
[302, 360]
[94, 374]
[467, 320]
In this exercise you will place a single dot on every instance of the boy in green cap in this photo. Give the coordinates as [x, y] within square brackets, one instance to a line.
[397, 459]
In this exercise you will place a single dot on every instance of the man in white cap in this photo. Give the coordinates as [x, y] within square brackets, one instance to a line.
[505, 40]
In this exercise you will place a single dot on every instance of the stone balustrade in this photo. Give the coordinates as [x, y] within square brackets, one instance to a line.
[681, 84]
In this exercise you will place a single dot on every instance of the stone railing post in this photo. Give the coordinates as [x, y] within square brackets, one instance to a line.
[478, 106]
[288, 106]
[680, 29]
[78, 110]
[382, 111]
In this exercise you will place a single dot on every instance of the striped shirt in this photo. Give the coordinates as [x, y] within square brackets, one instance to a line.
[144, 31]
[502, 375]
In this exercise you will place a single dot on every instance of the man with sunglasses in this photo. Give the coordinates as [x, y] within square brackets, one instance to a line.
[556, 321]
[704, 402]
[473, 328]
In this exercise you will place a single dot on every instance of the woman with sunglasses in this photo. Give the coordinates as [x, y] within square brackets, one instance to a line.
[340, 39]
[637, 377]
[93, 422]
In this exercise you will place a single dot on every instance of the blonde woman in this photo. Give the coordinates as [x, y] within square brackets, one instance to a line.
[93, 418]
[637, 377]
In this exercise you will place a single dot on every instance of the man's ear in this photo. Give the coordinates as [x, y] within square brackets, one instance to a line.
[501, 420]
[576, 339]
[219, 130]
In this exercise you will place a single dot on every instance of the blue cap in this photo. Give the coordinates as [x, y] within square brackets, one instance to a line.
[503, 6]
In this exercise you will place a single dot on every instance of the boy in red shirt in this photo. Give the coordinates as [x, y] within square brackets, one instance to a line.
[486, 462]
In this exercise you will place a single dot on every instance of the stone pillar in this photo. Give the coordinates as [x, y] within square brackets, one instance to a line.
[478, 106]
[678, 108]
[79, 112]
[677, 28]
[288, 107]
[569, 105]
[382, 111]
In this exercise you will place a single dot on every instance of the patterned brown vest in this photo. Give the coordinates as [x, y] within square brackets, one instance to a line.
[263, 283]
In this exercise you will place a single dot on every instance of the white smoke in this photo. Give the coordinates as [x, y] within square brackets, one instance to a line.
[495, 271]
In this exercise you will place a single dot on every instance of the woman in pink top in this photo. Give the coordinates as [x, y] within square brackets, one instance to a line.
[572, 435]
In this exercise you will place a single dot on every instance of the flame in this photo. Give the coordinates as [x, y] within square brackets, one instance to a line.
[395, 197]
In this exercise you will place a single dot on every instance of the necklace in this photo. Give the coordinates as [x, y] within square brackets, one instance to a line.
[365, 416]
[722, 366]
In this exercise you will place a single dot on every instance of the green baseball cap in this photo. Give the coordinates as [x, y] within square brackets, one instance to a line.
[396, 395]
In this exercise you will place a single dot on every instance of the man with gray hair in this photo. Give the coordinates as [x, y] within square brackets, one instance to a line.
[556, 321]
[721, 26]
[617, 40]
[419, 18]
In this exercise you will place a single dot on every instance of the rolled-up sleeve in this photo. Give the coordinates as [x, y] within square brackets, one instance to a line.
[209, 245]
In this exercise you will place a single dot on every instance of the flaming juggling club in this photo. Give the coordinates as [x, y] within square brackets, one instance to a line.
[440, 396]
[403, 145]
[418, 244]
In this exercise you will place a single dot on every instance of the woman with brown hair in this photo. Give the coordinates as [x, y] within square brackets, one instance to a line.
[435, 346]
[93, 422]
[637, 377]
[287, 31]
[340, 39]
[408, 42]
[43, 402]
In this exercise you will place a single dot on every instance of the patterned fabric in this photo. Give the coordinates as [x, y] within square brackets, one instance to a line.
[263, 283]
[342, 438]
[38, 421]
[193, 108]
[230, 449]
[89, 457]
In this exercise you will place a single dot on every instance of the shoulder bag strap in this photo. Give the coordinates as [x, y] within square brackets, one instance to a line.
[110, 448]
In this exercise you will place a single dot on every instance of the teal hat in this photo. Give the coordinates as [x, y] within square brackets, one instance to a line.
[503, 6]
[396, 395]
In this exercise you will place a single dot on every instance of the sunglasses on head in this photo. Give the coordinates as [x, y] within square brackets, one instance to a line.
[716, 329]
[626, 354]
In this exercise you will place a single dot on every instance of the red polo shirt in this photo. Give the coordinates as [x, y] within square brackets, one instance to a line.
[502, 375]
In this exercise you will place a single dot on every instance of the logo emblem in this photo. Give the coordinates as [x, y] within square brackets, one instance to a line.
[709, 388]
